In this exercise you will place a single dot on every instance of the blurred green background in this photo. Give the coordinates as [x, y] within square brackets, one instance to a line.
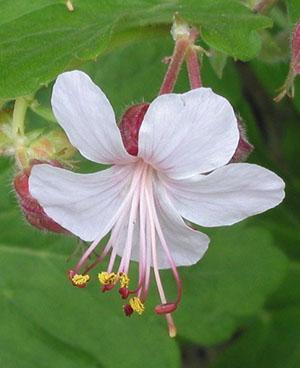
[241, 303]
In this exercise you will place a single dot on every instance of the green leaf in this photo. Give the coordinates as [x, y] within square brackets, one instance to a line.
[41, 39]
[289, 293]
[273, 342]
[218, 62]
[235, 24]
[293, 10]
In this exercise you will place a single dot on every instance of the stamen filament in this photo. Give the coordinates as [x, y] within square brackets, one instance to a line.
[171, 325]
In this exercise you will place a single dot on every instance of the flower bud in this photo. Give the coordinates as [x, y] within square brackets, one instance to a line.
[32, 210]
[130, 126]
[52, 146]
[244, 148]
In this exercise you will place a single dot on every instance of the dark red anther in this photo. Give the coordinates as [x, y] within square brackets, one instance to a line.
[124, 292]
[165, 308]
[32, 210]
[107, 287]
[244, 147]
[127, 310]
[130, 126]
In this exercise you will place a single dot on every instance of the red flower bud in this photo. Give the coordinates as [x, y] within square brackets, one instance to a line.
[32, 210]
[130, 126]
[244, 148]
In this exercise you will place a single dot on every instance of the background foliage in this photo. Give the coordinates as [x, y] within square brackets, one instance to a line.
[241, 303]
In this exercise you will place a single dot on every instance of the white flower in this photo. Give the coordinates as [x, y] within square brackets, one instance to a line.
[180, 172]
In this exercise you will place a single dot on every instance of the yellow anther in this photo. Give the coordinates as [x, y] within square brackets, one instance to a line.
[124, 280]
[80, 280]
[137, 305]
[107, 278]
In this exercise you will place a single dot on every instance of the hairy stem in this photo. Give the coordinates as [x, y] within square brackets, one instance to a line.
[175, 64]
[193, 67]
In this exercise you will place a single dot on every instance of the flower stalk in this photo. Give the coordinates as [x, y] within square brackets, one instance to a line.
[19, 114]
[185, 49]
[181, 46]
[193, 67]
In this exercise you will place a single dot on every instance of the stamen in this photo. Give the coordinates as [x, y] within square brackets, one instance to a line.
[107, 278]
[151, 206]
[124, 280]
[165, 248]
[127, 310]
[79, 280]
[136, 304]
[124, 283]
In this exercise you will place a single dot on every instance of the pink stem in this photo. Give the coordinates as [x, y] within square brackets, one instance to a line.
[193, 67]
[181, 46]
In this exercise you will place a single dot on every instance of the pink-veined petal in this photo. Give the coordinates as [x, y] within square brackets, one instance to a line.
[84, 204]
[227, 195]
[190, 133]
[86, 115]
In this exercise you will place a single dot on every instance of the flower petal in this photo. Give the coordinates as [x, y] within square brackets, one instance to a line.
[187, 246]
[226, 196]
[187, 134]
[82, 203]
[86, 115]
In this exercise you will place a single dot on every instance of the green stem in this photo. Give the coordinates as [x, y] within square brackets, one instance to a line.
[19, 114]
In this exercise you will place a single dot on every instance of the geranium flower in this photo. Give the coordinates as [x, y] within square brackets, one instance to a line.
[180, 173]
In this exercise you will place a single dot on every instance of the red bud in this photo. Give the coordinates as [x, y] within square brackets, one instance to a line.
[244, 148]
[130, 126]
[32, 210]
